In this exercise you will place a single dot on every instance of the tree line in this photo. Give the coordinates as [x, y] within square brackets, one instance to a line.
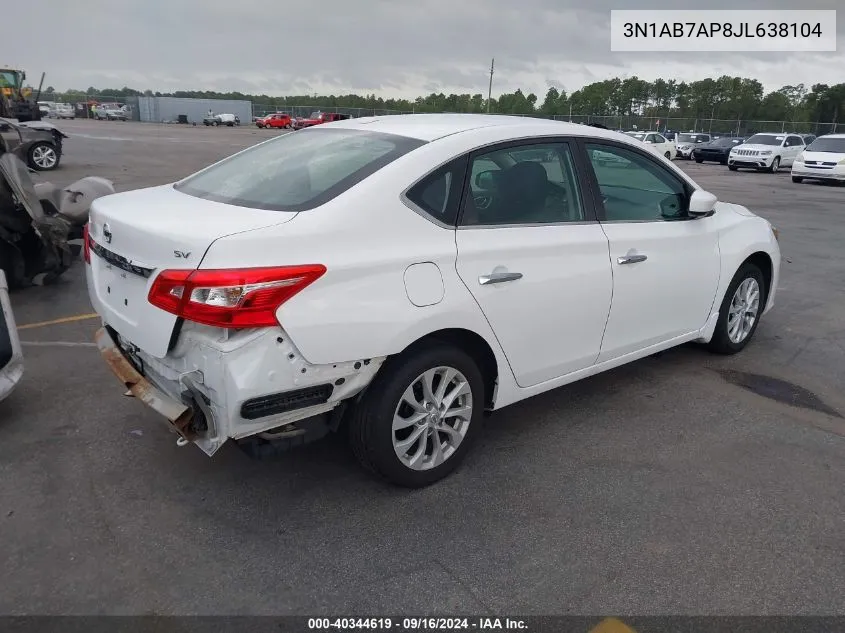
[725, 98]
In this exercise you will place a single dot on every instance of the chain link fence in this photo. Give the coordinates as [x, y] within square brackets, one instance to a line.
[742, 127]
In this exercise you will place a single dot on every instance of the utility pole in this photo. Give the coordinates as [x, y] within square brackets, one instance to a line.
[490, 87]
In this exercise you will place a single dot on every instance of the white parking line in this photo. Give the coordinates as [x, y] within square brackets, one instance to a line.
[58, 344]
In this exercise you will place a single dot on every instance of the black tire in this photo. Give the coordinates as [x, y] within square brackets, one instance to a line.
[797, 179]
[733, 167]
[721, 342]
[723, 162]
[287, 127]
[43, 145]
[699, 160]
[667, 156]
[371, 421]
[775, 165]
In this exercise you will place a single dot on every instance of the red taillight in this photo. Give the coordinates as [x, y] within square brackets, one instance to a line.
[242, 298]
[86, 244]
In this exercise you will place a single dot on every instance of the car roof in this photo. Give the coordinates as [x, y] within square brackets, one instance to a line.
[430, 127]
[831, 136]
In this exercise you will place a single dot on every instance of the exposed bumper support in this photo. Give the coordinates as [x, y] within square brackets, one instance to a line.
[177, 414]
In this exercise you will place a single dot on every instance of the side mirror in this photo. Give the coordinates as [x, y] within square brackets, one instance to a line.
[701, 203]
[485, 179]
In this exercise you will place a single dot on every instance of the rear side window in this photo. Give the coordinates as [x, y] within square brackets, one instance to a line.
[439, 193]
[298, 171]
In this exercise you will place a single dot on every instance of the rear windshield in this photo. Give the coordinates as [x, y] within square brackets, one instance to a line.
[835, 145]
[298, 171]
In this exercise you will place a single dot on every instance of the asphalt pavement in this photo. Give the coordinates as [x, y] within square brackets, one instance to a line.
[685, 483]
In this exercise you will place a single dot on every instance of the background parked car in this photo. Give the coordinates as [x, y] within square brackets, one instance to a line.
[717, 150]
[62, 111]
[686, 141]
[808, 138]
[317, 118]
[823, 159]
[766, 152]
[111, 112]
[276, 120]
[656, 142]
[229, 120]
[40, 148]
[11, 356]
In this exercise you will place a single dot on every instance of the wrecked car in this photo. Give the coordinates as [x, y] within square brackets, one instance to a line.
[36, 143]
[11, 356]
[38, 222]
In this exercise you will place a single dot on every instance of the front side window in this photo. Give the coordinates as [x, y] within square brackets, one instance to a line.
[659, 139]
[525, 184]
[635, 188]
[297, 172]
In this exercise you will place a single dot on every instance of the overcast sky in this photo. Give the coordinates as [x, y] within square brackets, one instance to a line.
[389, 47]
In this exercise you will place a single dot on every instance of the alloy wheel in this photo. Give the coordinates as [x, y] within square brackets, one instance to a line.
[44, 157]
[432, 418]
[743, 311]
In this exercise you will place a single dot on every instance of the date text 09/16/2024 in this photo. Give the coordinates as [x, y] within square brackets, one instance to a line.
[417, 624]
[721, 29]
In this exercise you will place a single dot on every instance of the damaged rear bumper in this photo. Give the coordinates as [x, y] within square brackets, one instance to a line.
[179, 415]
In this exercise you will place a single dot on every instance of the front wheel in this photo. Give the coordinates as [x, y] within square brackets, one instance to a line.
[667, 156]
[775, 164]
[733, 167]
[419, 416]
[797, 179]
[43, 156]
[699, 160]
[740, 311]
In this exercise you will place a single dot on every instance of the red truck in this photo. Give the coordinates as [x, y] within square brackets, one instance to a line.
[317, 118]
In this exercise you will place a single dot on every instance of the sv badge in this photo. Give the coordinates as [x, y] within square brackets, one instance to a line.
[182, 254]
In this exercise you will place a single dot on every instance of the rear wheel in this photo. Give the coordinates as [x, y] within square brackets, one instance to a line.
[699, 160]
[733, 167]
[797, 179]
[419, 416]
[740, 311]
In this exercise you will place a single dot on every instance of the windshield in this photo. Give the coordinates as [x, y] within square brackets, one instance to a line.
[315, 115]
[297, 172]
[692, 138]
[727, 142]
[637, 135]
[8, 79]
[834, 145]
[765, 139]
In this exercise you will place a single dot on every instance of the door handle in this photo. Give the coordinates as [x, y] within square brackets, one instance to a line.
[631, 259]
[498, 278]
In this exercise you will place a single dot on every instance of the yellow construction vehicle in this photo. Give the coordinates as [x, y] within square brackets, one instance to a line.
[16, 101]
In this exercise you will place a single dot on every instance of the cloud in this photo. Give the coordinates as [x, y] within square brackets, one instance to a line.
[392, 48]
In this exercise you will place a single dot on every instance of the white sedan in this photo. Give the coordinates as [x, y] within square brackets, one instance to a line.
[400, 276]
[657, 143]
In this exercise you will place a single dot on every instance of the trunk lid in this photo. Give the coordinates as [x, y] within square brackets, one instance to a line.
[137, 234]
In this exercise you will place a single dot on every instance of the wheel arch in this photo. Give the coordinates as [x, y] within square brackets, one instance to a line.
[763, 261]
[472, 344]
